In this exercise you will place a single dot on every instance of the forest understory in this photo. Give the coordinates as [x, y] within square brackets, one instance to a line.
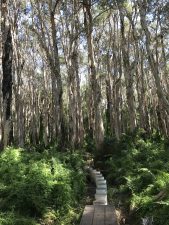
[136, 169]
[49, 187]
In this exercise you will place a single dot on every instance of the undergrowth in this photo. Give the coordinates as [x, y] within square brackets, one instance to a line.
[137, 169]
[40, 188]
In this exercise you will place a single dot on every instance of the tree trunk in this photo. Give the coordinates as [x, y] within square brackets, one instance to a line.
[56, 80]
[129, 69]
[7, 74]
[109, 94]
[95, 88]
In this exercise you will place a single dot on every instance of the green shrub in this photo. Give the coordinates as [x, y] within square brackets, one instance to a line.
[138, 168]
[35, 185]
[11, 218]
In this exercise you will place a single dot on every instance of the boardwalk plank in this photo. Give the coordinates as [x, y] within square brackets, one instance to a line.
[99, 215]
[110, 216]
[87, 217]
[98, 218]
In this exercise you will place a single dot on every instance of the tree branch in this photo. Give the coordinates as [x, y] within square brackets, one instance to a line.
[56, 3]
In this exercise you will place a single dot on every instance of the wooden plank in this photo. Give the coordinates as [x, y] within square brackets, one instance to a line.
[96, 202]
[99, 214]
[87, 217]
[110, 215]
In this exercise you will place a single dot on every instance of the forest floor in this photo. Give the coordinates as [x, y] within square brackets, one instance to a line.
[123, 216]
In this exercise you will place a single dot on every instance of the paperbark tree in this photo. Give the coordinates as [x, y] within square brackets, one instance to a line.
[95, 88]
[7, 54]
[153, 64]
[50, 48]
[71, 53]
[129, 69]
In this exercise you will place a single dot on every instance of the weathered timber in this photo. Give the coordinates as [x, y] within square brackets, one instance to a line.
[87, 217]
[99, 215]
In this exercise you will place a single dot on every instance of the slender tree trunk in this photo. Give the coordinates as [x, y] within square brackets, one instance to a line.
[129, 76]
[72, 102]
[7, 74]
[109, 94]
[96, 92]
[1, 101]
[56, 79]
[79, 115]
[71, 53]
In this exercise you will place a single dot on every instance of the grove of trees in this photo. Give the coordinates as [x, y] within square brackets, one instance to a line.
[72, 69]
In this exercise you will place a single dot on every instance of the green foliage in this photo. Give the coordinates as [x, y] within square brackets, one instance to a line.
[89, 143]
[39, 185]
[138, 167]
[11, 218]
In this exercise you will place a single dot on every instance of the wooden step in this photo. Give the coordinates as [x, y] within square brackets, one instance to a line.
[101, 182]
[101, 197]
[99, 202]
[87, 217]
[99, 215]
[101, 191]
[101, 186]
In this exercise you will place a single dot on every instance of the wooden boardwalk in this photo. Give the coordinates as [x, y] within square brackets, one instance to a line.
[99, 215]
